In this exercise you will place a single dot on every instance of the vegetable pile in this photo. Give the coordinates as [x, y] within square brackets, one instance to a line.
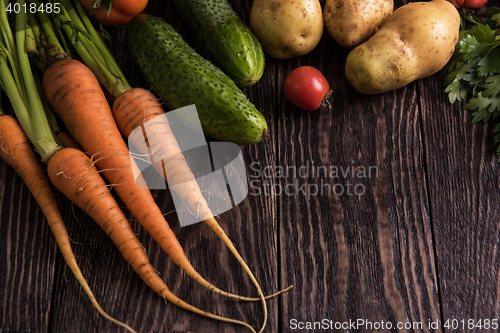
[75, 61]
[56, 70]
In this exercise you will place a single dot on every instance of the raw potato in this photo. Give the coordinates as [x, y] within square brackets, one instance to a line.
[352, 22]
[416, 41]
[287, 28]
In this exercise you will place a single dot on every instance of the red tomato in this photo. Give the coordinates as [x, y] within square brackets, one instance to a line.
[468, 3]
[306, 87]
[122, 11]
[474, 3]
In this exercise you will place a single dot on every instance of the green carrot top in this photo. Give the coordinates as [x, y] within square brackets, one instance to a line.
[71, 30]
[18, 82]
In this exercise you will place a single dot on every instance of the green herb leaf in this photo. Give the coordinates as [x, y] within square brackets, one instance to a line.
[481, 102]
[491, 16]
[497, 130]
[490, 63]
[492, 86]
[480, 115]
[471, 48]
[474, 69]
[457, 90]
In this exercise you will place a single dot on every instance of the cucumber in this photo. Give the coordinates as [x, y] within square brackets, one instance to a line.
[224, 39]
[182, 77]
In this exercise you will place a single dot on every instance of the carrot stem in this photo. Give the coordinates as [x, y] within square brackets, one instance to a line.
[31, 45]
[51, 117]
[49, 44]
[90, 47]
[9, 44]
[44, 141]
[9, 86]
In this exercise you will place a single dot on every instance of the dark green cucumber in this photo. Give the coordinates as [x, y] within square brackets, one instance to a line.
[182, 77]
[224, 39]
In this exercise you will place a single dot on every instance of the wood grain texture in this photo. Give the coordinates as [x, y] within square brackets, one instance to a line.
[27, 258]
[408, 234]
[464, 190]
[357, 256]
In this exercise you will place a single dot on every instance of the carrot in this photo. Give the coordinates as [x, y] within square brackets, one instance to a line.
[16, 150]
[32, 127]
[94, 54]
[138, 106]
[73, 92]
[134, 108]
[70, 169]
[67, 140]
[98, 58]
[76, 176]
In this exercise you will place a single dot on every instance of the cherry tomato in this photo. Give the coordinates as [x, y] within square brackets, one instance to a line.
[122, 11]
[474, 3]
[306, 87]
[468, 3]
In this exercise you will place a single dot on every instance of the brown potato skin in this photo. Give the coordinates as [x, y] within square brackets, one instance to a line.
[352, 22]
[416, 41]
[287, 28]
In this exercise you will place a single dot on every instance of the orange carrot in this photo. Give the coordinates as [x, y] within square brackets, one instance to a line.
[76, 176]
[16, 150]
[73, 92]
[67, 140]
[71, 171]
[137, 106]
[97, 56]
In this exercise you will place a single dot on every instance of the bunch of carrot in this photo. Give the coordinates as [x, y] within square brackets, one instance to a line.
[17, 137]
[72, 171]
[73, 92]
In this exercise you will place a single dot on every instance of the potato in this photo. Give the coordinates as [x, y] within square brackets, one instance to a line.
[287, 28]
[352, 22]
[416, 41]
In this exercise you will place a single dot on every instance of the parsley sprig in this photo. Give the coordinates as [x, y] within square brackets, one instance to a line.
[473, 72]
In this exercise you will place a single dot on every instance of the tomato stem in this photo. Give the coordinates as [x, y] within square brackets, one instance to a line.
[326, 102]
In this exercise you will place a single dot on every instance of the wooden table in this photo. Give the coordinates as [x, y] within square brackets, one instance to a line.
[417, 244]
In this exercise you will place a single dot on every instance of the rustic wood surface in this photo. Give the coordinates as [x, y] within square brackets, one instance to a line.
[417, 244]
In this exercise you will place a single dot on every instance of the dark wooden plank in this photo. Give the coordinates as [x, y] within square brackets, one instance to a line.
[368, 256]
[464, 187]
[463, 178]
[27, 258]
